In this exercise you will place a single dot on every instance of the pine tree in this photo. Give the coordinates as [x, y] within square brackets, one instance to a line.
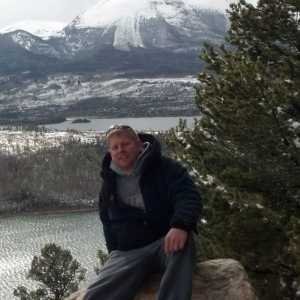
[103, 257]
[57, 273]
[244, 151]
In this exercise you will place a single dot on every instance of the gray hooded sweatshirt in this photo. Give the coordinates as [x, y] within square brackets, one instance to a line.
[128, 189]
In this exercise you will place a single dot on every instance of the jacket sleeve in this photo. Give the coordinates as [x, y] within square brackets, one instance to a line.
[184, 196]
[111, 241]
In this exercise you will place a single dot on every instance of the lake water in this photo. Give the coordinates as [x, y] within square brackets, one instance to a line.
[22, 237]
[156, 124]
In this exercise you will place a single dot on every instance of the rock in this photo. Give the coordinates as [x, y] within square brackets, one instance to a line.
[217, 279]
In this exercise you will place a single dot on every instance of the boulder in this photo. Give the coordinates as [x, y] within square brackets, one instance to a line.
[220, 279]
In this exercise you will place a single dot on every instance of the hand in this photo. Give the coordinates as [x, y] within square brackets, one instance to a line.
[175, 240]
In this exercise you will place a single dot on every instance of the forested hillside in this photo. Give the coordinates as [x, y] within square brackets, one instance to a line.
[66, 174]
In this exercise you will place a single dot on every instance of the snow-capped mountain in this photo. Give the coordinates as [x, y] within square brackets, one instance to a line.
[169, 25]
[105, 59]
[44, 30]
[177, 25]
[34, 36]
[115, 12]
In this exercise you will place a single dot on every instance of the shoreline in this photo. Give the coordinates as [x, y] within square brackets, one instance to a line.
[52, 210]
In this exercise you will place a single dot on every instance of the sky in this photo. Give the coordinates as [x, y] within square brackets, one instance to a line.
[13, 11]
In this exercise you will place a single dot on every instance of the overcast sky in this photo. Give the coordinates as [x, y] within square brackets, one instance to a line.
[12, 11]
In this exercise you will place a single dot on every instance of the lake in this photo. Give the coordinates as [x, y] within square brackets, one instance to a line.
[22, 237]
[156, 123]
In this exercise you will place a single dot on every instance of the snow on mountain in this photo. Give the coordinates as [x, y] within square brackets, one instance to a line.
[44, 30]
[166, 24]
[109, 12]
[63, 91]
[177, 26]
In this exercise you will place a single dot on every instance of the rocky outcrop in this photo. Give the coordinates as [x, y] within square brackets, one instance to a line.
[217, 279]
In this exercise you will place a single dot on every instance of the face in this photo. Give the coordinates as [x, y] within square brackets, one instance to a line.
[124, 150]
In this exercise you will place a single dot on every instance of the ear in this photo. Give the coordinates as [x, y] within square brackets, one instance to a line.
[139, 143]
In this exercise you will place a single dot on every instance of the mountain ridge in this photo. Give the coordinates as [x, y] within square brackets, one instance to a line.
[42, 29]
[72, 73]
[172, 25]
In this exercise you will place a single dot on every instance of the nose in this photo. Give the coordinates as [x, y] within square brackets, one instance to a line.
[121, 148]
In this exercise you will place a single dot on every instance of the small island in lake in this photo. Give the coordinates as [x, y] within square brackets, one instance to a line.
[81, 121]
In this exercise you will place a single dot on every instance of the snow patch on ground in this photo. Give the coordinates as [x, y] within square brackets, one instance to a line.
[16, 142]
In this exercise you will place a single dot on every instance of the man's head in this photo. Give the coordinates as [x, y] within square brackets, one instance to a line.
[124, 146]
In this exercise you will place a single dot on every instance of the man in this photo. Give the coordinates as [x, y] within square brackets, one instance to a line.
[149, 207]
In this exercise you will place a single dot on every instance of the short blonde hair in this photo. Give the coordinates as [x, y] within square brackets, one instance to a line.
[120, 129]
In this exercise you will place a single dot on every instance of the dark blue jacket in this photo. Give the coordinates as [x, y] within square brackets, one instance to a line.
[172, 200]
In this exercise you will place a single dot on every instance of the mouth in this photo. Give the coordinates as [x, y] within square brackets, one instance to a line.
[123, 157]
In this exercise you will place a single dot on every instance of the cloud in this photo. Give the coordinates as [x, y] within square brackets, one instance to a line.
[12, 11]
